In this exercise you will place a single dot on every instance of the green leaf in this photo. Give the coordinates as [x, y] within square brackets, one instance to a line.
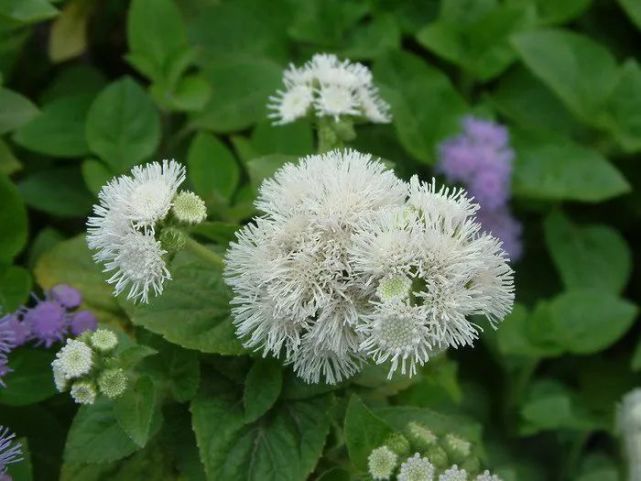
[15, 110]
[525, 100]
[633, 9]
[60, 191]
[381, 35]
[76, 79]
[623, 117]
[594, 256]
[176, 369]
[579, 70]
[241, 89]
[27, 11]
[284, 446]
[95, 174]
[59, 129]
[325, 22]
[262, 388]
[513, 336]
[213, 170]
[191, 94]
[13, 219]
[15, 287]
[478, 42]
[31, 380]
[8, 162]
[364, 432]
[550, 406]
[553, 12]
[44, 240]
[635, 363]
[123, 126]
[96, 437]
[587, 321]
[155, 32]
[296, 138]
[22, 471]
[136, 408]
[68, 34]
[264, 167]
[193, 311]
[558, 169]
[425, 106]
[70, 262]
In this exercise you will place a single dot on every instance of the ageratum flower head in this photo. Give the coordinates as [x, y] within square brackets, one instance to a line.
[330, 88]
[10, 450]
[416, 468]
[122, 229]
[349, 262]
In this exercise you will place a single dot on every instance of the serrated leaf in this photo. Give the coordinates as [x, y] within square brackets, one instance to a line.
[136, 408]
[96, 437]
[193, 311]
[262, 387]
[425, 106]
[59, 129]
[212, 169]
[284, 446]
[364, 431]
[123, 125]
[594, 256]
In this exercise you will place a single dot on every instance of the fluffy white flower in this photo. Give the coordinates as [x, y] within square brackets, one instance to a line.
[104, 340]
[290, 270]
[381, 463]
[334, 88]
[349, 262]
[487, 476]
[75, 359]
[139, 266]
[453, 474]
[416, 468]
[455, 271]
[122, 229]
[83, 392]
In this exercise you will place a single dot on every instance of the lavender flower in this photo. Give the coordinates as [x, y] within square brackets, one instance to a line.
[48, 321]
[502, 224]
[82, 321]
[481, 159]
[10, 451]
[66, 296]
[6, 336]
[4, 368]
[20, 331]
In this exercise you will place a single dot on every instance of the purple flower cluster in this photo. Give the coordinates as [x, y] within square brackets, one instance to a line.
[49, 321]
[10, 452]
[481, 159]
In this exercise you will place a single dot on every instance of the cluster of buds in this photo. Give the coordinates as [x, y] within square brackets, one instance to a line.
[419, 454]
[88, 366]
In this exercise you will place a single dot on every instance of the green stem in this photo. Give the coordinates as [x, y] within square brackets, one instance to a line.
[203, 252]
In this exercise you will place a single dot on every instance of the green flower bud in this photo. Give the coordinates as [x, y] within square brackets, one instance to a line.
[472, 465]
[421, 438]
[437, 456]
[399, 444]
[381, 463]
[172, 239]
[457, 448]
[189, 208]
[112, 383]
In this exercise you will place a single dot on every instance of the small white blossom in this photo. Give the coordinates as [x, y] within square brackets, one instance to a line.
[104, 340]
[381, 463]
[453, 474]
[122, 229]
[332, 87]
[394, 287]
[416, 468]
[59, 377]
[487, 476]
[75, 359]
[189, 208]
[112, 383]
[83, 392]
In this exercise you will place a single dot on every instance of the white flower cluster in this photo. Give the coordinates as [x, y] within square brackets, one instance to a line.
[81, 367]
[349, 262]
[629, 426]
[331, 88]
[123, 227]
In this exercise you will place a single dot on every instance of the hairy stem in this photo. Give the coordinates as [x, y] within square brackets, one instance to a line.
[203, 252]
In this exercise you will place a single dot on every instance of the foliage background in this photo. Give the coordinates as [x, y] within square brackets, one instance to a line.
[91, 88]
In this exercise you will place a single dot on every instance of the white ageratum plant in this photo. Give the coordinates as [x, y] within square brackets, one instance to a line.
[126, 228]
[349, 263]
